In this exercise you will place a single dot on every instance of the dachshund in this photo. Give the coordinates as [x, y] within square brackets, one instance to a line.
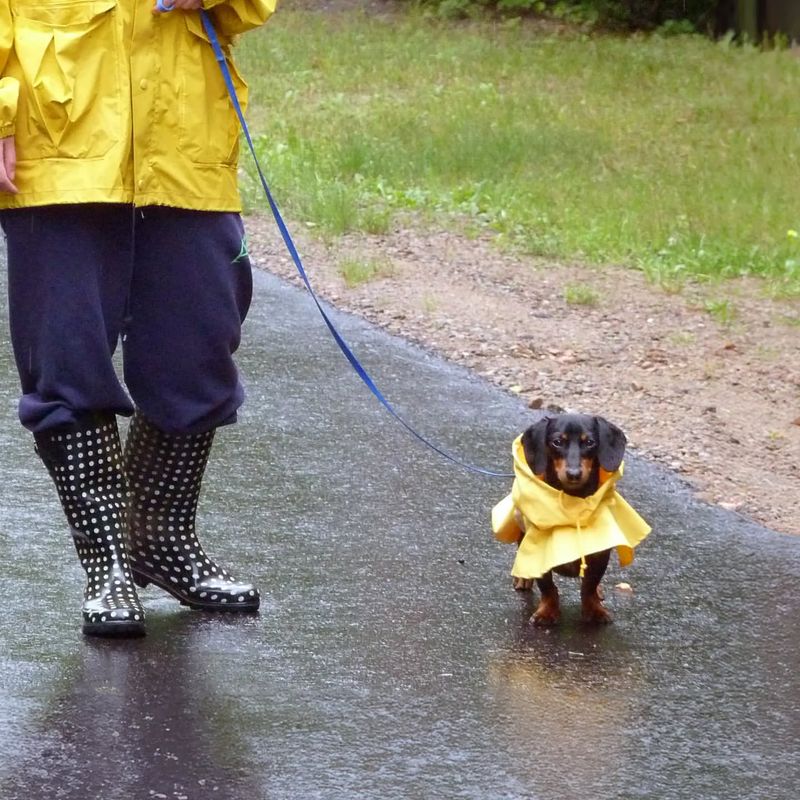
[567, 452]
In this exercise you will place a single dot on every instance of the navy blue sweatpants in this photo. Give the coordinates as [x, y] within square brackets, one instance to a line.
[173, 284]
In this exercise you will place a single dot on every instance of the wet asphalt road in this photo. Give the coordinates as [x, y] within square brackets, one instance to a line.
[391, 658]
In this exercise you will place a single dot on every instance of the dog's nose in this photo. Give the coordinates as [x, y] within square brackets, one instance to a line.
[574, 474]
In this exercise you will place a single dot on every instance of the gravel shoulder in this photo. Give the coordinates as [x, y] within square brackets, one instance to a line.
[718, 403]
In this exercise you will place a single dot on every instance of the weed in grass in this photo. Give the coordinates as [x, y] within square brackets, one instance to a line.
[356, 271]
[710, 371]
[250, 193]
[669, 277]
[787, 284]
[429, 303]
[783, 288]
[473, 230]
[683, 338]
[767, 353]
[580, 294]
[376, 221]
[334, 208]
[723, 311]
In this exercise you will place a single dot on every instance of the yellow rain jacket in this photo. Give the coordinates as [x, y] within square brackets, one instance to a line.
[110, 103]
[560, 528]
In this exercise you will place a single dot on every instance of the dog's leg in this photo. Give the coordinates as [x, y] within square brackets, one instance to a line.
[548, 611]
[592, 607]
[522, 584]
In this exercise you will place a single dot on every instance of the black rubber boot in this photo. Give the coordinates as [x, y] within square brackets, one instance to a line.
[164, 474]
[85, 462]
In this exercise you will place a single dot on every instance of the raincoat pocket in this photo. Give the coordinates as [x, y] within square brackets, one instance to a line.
[208, 126]
[69, 57]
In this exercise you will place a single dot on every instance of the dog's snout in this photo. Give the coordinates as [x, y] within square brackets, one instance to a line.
[574, 474]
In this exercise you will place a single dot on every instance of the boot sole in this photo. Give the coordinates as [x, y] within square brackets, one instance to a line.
[114, 629]
[142, 580]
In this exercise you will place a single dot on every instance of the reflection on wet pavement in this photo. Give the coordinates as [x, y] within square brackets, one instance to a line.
[126, 719]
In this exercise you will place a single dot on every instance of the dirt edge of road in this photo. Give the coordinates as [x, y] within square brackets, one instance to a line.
[705, 380]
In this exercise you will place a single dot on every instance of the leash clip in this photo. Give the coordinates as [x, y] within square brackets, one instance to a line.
[163, 6]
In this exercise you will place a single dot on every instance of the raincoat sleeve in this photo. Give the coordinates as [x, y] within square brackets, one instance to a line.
[233, 17]
[9, 87]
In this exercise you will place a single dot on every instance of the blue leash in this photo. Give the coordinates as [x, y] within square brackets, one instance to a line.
[343, 346]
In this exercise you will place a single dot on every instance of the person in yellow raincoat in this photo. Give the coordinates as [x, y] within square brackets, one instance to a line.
[120, 207]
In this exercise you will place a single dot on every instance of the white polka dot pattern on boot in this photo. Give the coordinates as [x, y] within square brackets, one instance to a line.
[165, 473]
[85, 463]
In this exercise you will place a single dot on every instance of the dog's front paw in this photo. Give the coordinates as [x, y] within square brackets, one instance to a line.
[547, 614]
[522, 584]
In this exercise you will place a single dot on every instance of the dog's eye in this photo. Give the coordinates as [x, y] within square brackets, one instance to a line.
[588, 443]
[557, 443]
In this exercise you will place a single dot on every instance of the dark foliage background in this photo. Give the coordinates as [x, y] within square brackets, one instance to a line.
[653, 13]
[678, 16]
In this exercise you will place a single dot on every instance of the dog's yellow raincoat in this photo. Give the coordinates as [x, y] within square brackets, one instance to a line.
[560, 528]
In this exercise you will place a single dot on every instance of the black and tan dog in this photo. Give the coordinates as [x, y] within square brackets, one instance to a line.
[576, 455]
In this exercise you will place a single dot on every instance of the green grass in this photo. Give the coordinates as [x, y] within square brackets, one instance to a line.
[356, 271]
[579, 294]
[676, 156]
[722, 310]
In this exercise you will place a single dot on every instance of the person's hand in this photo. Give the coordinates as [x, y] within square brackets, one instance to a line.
[179, 5]
[8, 165]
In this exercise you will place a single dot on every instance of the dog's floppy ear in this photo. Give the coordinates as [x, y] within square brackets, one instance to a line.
[534, 445]
[611, 443]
